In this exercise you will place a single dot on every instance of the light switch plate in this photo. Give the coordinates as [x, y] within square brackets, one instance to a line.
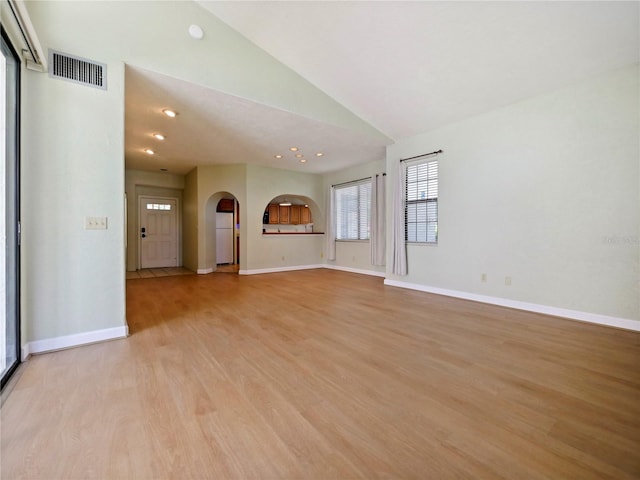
[95, 223]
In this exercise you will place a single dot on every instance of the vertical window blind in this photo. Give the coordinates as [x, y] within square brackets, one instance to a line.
[421, 211]
[353, 203]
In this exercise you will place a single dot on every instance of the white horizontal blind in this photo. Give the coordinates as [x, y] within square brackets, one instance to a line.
[353, 203]
[422, 202]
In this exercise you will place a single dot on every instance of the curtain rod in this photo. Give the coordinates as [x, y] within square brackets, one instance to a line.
[423, 155]
[356, 181]
[352, 181]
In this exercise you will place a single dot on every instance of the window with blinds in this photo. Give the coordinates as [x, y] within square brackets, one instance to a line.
[421, 212]
[353, 202]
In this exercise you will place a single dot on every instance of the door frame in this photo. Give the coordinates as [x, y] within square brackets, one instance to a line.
[16, 227]
[159, 199]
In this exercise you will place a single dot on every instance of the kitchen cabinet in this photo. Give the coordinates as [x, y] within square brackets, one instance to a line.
[288, 215]
[305, 215]
[294, 214]
[274, 210]
[225, 205]
[285, 215]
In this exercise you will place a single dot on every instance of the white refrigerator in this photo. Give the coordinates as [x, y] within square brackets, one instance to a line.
[224, 238]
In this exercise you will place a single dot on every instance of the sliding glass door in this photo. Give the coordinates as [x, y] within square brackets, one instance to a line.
[9, 221]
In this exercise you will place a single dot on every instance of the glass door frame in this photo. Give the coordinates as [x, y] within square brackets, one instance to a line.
[12, 215]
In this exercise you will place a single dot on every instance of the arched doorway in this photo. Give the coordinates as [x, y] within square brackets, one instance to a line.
[222, 233]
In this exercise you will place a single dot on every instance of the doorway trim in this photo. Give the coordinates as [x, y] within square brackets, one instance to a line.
[159, 199]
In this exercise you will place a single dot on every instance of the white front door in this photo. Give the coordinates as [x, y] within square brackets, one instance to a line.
[158, 232]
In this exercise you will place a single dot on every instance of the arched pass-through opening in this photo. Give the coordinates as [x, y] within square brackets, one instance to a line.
[292, 214]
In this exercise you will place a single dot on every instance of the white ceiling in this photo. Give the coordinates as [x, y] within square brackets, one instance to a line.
[404, 67]
[214, 128]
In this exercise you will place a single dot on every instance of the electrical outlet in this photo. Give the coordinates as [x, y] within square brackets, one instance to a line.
[321, 254]
[483, 278]
[95, 223]
[507, 280]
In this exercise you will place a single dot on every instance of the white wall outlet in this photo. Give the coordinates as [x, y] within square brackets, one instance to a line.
[95, 223]
[483, 277]
[507, 280]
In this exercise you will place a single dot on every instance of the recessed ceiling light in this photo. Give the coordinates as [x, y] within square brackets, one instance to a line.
[319, 154]
[149, 151]
[169, 113]
[196, 32]
[299, 155]
[294, 149]
[159, 136]
[303, 160]
[278, 156]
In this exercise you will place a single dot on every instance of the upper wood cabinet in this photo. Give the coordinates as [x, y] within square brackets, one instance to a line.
[294, 211]
[225, 205]
[288, 215]
[274, 210]
[305, 215]
[284, 213]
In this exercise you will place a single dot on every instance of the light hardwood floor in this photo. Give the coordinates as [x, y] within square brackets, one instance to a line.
[323, 374]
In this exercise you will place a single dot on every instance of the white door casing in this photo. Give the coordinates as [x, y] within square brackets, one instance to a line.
[158, 232]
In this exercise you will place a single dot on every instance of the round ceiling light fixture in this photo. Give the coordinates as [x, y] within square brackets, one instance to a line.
[159, 136]
[148, 151]
[170, 113]
[294, 149]
[196, 32]
[278, 156]
[303, 160]
[319, 154]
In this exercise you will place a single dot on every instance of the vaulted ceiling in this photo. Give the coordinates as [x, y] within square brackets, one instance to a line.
[403, 67]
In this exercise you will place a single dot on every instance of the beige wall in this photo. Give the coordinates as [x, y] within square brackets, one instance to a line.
[190, 221]
[214, 182]
[546, 192]
[281, 251]
[354, 254]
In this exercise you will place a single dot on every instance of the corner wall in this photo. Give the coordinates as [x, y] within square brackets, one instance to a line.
[280, 251]
[354, 255]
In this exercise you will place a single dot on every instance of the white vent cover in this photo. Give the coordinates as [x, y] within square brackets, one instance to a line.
[77, 70]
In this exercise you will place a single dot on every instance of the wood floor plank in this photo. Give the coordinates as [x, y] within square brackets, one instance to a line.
[322, 374]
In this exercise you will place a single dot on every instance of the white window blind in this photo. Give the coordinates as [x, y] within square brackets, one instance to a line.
[353, 203]
[422, 202]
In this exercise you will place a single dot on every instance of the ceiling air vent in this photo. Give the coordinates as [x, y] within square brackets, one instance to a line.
[77, 70]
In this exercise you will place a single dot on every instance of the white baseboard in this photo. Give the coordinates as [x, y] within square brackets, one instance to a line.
[279, 269]
[204, 271]
[68, 341]
[355, 270]
[24, 352]
[624, 323]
